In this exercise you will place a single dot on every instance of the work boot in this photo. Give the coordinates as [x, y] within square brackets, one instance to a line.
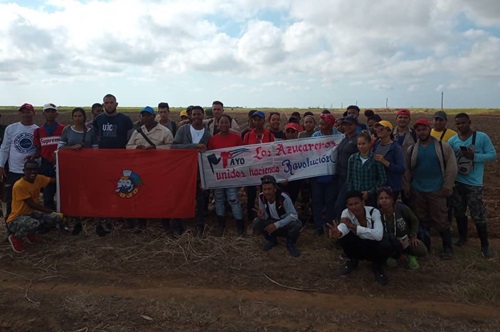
[482, 232]
[178, 228]
[292, 249]
[462, 231]
[271, 242]
[423, 235]
[200, 230]
[165, 223]
[240, 227]
[447, 253]
[221, 226]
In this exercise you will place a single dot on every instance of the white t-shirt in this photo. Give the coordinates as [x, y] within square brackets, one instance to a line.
[18, 143]
[196, 134]
[272, 211]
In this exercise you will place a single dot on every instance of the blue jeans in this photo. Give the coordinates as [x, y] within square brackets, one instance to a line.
[323, 197]
[231, 194]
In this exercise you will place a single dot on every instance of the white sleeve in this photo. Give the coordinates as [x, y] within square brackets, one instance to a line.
[341, 226]
[376, 232]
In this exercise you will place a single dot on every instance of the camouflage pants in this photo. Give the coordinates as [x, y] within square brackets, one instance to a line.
[33, 223]
[469, 196]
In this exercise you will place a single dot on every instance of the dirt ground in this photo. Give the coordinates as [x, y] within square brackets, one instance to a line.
[151, 282]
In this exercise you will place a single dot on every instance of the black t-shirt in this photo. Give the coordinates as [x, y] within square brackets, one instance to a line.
[112, 130]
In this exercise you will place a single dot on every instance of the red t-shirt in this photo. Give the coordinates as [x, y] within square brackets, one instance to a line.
[252, 138]
[47, 144]
[219, 142]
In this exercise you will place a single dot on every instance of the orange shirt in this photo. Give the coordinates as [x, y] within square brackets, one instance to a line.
[22, 190]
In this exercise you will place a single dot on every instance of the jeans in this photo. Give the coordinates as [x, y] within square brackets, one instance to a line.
[340, 203]
[291, 230]
[233, 198]
[370, 250]
[47, 169]
[323, 197]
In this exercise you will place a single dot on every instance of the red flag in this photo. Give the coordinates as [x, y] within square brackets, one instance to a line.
[127, 183]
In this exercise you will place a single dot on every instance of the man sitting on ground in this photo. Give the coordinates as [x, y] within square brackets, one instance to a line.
[28, 216]
[276, 216]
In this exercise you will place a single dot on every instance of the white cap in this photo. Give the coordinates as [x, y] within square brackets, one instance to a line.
[50, 106]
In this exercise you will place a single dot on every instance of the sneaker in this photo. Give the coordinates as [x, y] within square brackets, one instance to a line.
[269, 245]
[16, 244]
[412, 262]
[77, 229]
[292, 249]
[343, 256]
[379, 273]
[348, 267]
[391, 262]
[32, 238]
[485, 252]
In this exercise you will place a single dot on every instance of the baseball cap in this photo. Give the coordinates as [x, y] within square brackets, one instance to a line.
[350, 119]
[441, 115]
[268, 179]
[49, 106]
[384, 123]
[403, 111]
[148, 109]
[260, 114]
[183, 113]
[423, 122]
[28, 107]
[292, 125]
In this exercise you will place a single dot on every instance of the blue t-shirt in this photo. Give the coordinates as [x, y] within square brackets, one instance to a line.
[112, 130]
[428, 176]
[484, 151]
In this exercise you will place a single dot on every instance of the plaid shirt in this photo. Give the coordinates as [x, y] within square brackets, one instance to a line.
[365, 177]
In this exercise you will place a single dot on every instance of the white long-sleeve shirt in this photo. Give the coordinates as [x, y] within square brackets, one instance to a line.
[18, 143]
[374, 229]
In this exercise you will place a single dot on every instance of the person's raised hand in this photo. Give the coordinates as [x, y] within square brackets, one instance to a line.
[333, 230]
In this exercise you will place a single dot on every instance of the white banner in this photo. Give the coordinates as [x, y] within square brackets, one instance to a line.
[285, 160]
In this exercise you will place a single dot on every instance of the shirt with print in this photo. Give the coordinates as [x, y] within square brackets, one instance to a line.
[112, 130]
[46, 139]
[23, 190]
[71, 136]
[18, 143]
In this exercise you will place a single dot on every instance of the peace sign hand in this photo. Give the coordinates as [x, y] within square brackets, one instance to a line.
[333, 230]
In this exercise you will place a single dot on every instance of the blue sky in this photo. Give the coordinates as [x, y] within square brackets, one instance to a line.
[253, 53]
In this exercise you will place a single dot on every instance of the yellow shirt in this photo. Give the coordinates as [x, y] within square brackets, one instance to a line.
[448, 134]
[23, 190]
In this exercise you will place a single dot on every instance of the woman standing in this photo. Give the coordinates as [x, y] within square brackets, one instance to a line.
[226, 139]
[78, 135]
[364, 173]
[275, 125]
[309, 126]
[390, 154]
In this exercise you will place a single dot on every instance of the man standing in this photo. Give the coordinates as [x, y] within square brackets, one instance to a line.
[213, 124]
[29, 217]
[17, 146]
[353, 112]
[430, 176]
[111, 127]
[472, 149]
[276, 216]
[194, 136]
[46, 139]
[440, 131]
[164, 118]
[96, 110]
[403, 133]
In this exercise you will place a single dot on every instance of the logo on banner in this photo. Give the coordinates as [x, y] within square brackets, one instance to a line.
[228, 158]
[128, 185]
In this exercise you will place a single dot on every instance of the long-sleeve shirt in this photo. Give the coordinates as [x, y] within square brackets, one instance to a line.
[288, 212]
[365, 176]
[395, 156]
[484, 151]
[18, 143]
[374, 229]
[160, 135]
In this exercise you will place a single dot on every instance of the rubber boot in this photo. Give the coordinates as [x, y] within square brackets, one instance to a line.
[177, 227]
[482, 232]
[292, 248]
[447, 253]
[200, 230]
[462, 231]
[165, 223]
[221, 226]
[423, 235]
[240, 227]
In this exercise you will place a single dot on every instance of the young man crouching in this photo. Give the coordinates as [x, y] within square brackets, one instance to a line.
[28, 216]
[277, 216]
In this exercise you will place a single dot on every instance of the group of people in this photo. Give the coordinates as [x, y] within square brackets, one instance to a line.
[392, 183]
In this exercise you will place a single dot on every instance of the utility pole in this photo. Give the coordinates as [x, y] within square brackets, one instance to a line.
[386, 102]
[342, 105]
[442, 99]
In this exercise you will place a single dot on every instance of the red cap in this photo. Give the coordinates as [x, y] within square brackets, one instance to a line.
[28, 107]
[422, 122]
[293, 126]
[403, 111]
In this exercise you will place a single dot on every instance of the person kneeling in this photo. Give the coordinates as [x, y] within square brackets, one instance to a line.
[360, 234]
[276, 216]
[28, 216]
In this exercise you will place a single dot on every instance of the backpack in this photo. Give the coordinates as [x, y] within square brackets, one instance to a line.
[279, 199]
[466, 165]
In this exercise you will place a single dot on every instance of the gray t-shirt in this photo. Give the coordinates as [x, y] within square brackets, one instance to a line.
[71, 137]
